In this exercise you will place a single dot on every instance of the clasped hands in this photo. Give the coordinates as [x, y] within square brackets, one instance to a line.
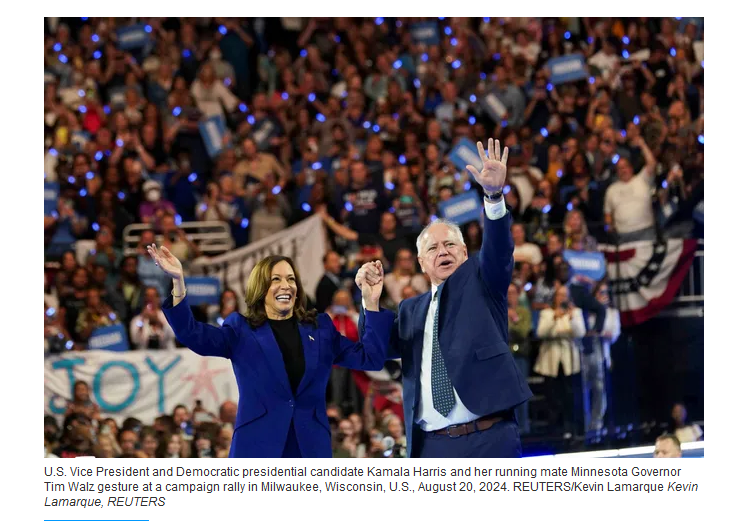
[370, 280]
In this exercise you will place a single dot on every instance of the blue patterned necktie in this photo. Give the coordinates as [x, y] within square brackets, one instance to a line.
[442, 392]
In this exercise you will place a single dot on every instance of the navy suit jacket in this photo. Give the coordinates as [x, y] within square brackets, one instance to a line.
[267, 404]
[473, 333]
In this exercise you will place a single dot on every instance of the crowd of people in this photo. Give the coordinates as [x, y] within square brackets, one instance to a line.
[355, 120]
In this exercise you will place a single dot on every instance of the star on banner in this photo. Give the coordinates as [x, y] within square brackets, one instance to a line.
[203, 380]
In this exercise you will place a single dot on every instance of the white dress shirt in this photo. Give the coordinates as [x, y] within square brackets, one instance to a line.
[427, 417]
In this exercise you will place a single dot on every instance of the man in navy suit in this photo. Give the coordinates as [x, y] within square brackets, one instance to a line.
[460, 381]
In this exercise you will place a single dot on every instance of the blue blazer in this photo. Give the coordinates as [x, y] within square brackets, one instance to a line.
[473, 333]
[267, 404]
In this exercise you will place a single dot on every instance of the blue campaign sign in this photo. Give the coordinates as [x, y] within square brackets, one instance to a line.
[263, 131]
[50, 197]
[213, 133]
[464, 153]
[462, 208]
[112, 338]
[132, 37]
[425, 33]
[589, 264]
[567, 68]
[202, 290]
[493, 106]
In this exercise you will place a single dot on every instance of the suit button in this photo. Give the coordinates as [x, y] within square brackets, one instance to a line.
[290, 403]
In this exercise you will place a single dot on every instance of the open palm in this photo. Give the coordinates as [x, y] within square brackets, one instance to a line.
[166, 261]
[492, 176]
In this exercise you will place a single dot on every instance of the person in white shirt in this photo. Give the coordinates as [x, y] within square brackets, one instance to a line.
[558, 360]
[211, 94]
[628, 205]
[685, 431]
[524, 252]
[460, 381]
[150, 329]
[606, 60]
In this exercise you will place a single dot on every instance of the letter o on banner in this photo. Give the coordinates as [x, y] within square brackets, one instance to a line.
[97, 386]
[54, 408]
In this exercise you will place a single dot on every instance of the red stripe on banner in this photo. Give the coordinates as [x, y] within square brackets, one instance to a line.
[380, 402]
[623, 255]
[656, 305]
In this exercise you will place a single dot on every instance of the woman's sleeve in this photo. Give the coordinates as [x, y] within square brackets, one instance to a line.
[202, 338]
[545, 323]
[368, 354]
[577, 323]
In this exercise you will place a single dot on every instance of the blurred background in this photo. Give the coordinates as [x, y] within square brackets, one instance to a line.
[334, 141]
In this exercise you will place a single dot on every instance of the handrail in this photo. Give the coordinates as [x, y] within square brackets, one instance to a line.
[211, 237]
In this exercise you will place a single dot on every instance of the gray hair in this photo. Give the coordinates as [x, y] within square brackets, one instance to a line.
[456, 232]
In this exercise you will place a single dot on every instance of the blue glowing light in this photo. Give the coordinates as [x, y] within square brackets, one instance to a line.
[192, 177]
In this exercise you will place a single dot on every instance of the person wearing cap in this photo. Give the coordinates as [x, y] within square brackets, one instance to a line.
[154, 207]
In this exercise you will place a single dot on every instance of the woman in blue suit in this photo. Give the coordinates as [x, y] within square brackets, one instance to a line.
[282, 356]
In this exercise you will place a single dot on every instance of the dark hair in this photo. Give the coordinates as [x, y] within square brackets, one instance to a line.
[672, 437]
[222, 297]
[147, 431]
[258, 284]
[131, 424]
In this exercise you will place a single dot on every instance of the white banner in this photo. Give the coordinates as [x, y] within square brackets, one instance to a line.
[303, 243]
[143, 384]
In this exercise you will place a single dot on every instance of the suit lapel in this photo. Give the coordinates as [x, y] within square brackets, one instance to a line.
[268, 344]
[310, 341]
[419, 319]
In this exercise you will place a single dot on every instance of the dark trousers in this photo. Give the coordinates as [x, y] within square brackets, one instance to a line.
[500, 441]
[560, 403]
[291, 450]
